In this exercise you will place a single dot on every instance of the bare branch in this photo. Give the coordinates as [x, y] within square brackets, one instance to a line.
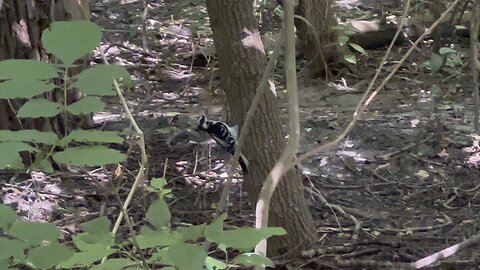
[470, 242]
[474, 46]
[275, 175]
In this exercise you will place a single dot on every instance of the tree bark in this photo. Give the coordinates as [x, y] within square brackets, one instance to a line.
[318, 41]
[21, 26]
[242, 61]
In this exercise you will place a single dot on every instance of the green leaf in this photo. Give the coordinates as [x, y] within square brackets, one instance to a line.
[46, 257]
[4, 264]
[350, 32]
[436, 62]
[86, 258]
[214, 264]
[80, 135]
[216, 226]
[87, 241]
[158, 186]
[158, 183]
[350, 58]
[39, 107]
[98, 81]
[24, 88]
[28, 135]
[158, 214]
[26, 70]
[244, 238]
[358, 48]
[100, 225]
[42, 165]
[35, 232]
[148, 238]
[10, 147]
[253, 259]
[113, 264]
[192, 233]
[446, 50]
[11, 162]
[187, 256]
[12, 248]
[10, 158]
[7, 217]
[454, 59]
[89, 156]
[71, 40]
[160, 256]
[86, 105]
[342, 40]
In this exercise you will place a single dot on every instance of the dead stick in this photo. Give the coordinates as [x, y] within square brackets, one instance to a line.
[470, 242]
[474, 28]
[275, 175]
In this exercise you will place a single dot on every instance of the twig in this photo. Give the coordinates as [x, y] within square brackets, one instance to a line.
[275, 175]
[448, 221]
[474, 28]
[165, 166]
[363, 252]
[323, 200]
[129, 226]
[125, 215]
[187, 83]
[141, 143]
[405, 148]
[368, 264]
[144, 26]
[445, 253]
[196, 163]
[358, 224]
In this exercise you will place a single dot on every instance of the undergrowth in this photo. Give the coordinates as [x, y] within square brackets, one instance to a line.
[37, 245]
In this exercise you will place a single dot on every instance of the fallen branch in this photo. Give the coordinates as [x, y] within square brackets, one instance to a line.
[445, 253]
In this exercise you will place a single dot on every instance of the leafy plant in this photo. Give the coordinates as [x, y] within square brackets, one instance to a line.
[447, 59]
[34, 80]
[36, 245]
[344, 33]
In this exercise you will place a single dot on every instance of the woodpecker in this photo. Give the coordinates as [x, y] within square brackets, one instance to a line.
[225, 136]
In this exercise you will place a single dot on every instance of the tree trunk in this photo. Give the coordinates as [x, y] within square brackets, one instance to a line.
[242, 61]
[318, 41]
[21, 25]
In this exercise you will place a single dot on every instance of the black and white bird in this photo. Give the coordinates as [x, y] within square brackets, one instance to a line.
[225, 136]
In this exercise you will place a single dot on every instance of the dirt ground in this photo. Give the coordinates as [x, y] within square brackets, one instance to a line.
[406, 173]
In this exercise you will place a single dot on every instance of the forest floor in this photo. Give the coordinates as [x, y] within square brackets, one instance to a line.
[407, 171]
